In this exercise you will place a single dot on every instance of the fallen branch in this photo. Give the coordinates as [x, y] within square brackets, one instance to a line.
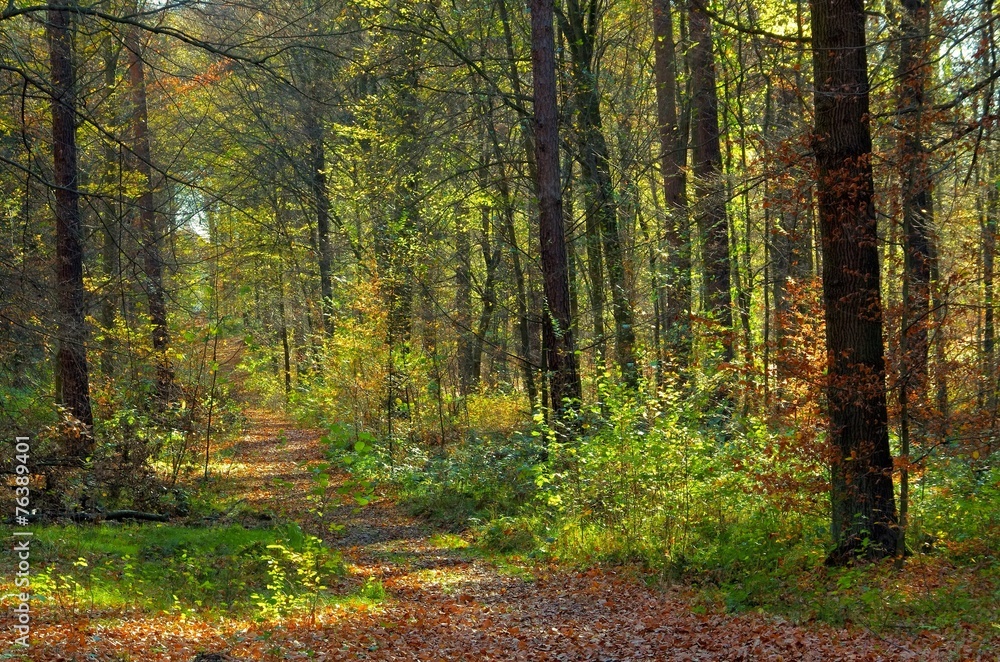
[114, 515]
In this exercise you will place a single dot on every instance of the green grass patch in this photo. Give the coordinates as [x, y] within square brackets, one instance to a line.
[372, 591]
[266, 572]
[448, 541]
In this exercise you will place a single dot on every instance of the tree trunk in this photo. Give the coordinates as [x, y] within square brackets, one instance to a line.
[396, 233]
[939, 307]
[286, 351]
[863, 504]
[917, 206]
[917, 186]
[321, 199]
[742, 268]
[713, 223]
[396, 230]
[72, 375]
[561, 351]
[523, 323]
[989, 243]
[488, 296]
[463, 305]
[149, 229]
[520, 291]
[580, 28]
[674, 288]
[595, 274]
[111, 225]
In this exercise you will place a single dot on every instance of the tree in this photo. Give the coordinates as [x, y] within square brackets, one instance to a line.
[713, 222]
[72, 375]
[150, 230]
[580, 23]
[557, 323]
[989, 243]
[917, 186]
[312, 75]
[674, 294]
[864, 508]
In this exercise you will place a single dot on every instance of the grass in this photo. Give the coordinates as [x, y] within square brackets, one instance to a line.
[929, 594]
[448, 541]
[164, 568]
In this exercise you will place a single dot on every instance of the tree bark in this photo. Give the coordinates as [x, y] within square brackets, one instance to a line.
[111, 225]
[713, 222]
[674, 286]
[72, 375]
[863, 503]
[917, 187]
[488, 295]
[321, 199]
[989, 243]
[463, 305]
[557, 327]
[580, 27]
[917, 207]
[150, 232]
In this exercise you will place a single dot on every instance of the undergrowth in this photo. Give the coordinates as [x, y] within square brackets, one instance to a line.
[264, 573]
[738, 512]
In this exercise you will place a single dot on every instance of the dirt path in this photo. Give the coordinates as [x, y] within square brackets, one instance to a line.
[443, 604]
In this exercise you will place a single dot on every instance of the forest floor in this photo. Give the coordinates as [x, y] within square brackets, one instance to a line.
[442, 601]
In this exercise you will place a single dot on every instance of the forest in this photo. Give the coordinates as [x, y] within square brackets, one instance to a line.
[567, 329]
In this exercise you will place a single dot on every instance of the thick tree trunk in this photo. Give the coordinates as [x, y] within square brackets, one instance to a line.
[674, 286]
[713, 222]
[150, 232]
[864, 508]
[72, 377]
[558, 333]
